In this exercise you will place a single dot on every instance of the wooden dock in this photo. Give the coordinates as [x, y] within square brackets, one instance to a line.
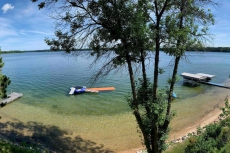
[11, 97]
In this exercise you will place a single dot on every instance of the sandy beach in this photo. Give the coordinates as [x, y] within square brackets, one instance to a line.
[207, 119]
[210, 116]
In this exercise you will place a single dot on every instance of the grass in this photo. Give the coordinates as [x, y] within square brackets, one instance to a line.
[7, 147]
[177, 148]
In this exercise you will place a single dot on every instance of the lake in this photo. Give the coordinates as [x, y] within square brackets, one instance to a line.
[100, 121]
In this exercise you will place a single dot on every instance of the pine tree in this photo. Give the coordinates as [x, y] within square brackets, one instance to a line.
[4, 80]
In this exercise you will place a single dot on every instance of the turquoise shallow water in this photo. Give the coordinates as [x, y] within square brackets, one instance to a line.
[45, 79]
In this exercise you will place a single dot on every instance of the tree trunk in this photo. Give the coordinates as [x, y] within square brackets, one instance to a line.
[178, 55]
[158, 15]
[144, 94]
[167, 121]
[136, 110]
[154, 132]
[143, 68]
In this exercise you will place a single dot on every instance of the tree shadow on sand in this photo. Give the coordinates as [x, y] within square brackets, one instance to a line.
[50, 137]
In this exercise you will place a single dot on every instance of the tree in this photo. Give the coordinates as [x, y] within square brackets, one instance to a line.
[123, 31]
[175, 25]
[180, 31]
[4, 81]
[214, 138]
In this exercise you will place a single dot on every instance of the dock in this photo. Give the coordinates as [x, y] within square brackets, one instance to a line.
[216, 84]
[196, 79]
[11, 97]
[193, 77]
[208, 76]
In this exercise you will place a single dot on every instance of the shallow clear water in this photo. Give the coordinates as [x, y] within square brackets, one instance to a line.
[45, 79]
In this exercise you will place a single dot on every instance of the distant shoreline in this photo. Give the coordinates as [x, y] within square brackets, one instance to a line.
[207, 49]
[31, 51]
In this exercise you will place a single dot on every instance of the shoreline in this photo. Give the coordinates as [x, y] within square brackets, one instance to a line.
[209, 118]
[186, 122]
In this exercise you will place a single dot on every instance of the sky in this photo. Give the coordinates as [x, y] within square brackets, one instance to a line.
[24, 27]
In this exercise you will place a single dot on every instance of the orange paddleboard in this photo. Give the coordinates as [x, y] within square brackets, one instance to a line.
[102, 89]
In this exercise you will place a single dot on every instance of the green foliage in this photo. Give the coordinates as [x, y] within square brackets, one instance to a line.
[212, 130]
[226, 109]
[161, 71]
[112, 29]
[199, 130]
[4, 81]
[183, 31]
[177, 148]
[151, 112]
[6, 147]
[202, 145]
[213, 139]
[225, 149]
[177, 78]
[1, 64]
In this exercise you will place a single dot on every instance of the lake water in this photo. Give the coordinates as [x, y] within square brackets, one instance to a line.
[105, 118]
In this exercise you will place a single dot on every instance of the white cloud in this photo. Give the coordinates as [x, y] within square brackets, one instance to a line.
[37, 32]
[7, 7]
[40, 32]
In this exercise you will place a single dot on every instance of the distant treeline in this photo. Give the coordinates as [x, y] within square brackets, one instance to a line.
[18, 51]
[9, 52]
[208, 49]
[211, 49]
